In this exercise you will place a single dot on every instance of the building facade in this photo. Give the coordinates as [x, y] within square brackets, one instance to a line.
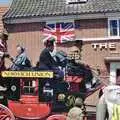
[97, 24]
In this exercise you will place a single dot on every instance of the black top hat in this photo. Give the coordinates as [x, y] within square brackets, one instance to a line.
[50, 42]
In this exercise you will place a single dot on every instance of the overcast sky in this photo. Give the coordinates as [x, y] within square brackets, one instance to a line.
[5, 1]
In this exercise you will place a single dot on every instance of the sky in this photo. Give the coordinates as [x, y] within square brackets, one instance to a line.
[5, 1]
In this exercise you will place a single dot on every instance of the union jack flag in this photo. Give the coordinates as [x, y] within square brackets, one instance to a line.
[61, 32]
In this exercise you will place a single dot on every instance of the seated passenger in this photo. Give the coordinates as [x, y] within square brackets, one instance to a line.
[47, 61]
[21, 61]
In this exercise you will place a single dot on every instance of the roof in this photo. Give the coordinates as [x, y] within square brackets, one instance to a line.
[44, 8]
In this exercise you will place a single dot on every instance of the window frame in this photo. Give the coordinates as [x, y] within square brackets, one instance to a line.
[118, 27]
[29, 87]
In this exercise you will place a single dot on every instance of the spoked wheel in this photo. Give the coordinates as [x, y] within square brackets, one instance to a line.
[57, 117]
[5, 113]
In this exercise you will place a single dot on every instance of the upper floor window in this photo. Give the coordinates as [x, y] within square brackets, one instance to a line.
[76, 1]
[114, 27]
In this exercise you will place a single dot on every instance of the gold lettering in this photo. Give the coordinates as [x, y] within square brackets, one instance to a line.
[40, 74]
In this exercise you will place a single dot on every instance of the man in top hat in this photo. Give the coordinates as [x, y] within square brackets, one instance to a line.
[46, 59]
[3, 49]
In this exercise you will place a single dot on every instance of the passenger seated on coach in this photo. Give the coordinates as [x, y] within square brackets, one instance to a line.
[21, 61]
[46, 59]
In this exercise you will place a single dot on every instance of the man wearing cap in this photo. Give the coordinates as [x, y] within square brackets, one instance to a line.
[3, 49]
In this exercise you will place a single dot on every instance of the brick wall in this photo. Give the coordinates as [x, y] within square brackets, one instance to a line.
[2, 11]
[30, 36]
[94, 28]
[27, 35]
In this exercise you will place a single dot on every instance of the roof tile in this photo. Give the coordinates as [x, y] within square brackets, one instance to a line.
[28, 8]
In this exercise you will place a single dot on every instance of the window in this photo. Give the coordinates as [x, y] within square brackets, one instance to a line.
[76, 1]
[29, 87]
[114, 27]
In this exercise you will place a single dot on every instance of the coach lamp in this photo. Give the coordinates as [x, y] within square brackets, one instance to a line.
[47, 92]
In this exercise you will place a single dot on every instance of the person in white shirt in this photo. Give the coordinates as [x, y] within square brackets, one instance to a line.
[108, 101]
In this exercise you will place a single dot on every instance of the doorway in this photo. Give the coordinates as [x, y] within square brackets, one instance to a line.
[118, 76]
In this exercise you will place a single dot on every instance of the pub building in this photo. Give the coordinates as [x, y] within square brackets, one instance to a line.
[95, 22]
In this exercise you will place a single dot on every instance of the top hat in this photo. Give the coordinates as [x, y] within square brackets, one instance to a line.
[49, 42]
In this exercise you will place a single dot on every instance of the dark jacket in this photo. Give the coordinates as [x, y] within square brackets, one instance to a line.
[46, 60]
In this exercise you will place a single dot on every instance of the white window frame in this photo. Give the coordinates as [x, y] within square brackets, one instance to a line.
[29, 87]
[118, 29]
[113, 71]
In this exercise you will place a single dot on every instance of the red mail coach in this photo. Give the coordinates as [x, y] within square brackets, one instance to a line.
[36, 95]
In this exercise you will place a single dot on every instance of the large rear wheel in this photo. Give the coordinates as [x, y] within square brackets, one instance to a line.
[5, 113]
[57, 117]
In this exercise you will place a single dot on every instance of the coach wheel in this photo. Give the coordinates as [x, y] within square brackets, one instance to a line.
[70, 101]
[5, 113]
[57, 117]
